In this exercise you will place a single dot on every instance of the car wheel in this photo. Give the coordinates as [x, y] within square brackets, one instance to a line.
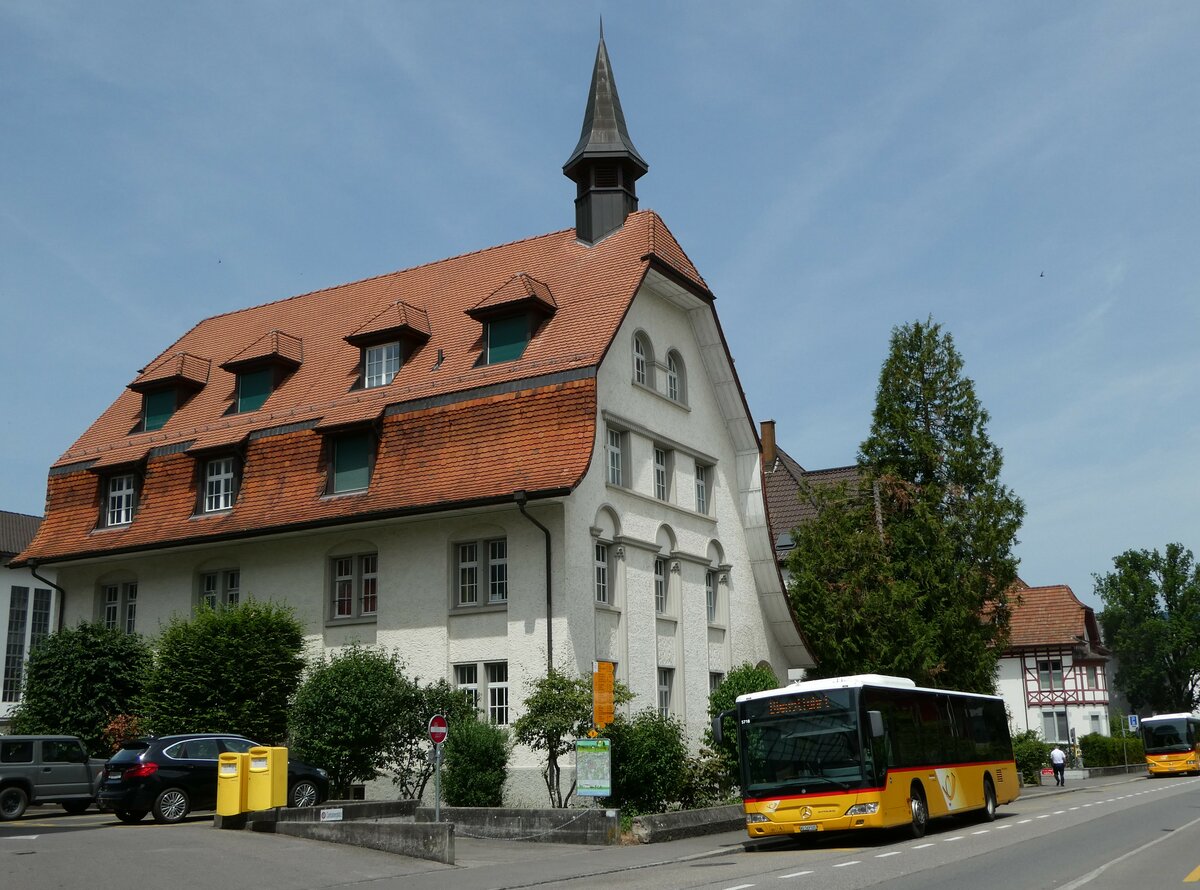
[989, 800]
[920, 813]
[303, 794]
[130, 817]
[171, 806]
[76, 807]
[13, 801]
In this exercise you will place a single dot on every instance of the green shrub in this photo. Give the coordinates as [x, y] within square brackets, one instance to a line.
[703, 782]
[649, 757]
[1102, 750]
[1031, 754]
[475, 764]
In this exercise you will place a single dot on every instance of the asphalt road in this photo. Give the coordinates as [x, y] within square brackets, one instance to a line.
[1141, 834]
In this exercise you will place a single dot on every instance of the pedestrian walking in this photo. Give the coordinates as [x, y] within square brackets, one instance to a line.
[1058, 760]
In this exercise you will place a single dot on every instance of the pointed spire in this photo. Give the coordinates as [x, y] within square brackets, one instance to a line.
[604, 165]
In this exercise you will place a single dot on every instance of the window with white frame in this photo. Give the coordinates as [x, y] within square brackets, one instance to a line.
[1093, 676]
[703, 483]
[676, 378]
[222, 588]
[602, 574]
[1050, 673]
[477, 561]
[617, 446]
[666, 677]
[1095, 721]
[219, 484]
[660, 585]
[1054, 726]
[121, 499]
[28, 626]
[355, 586]
[466, 678]
[381, 364]
[118, 606]
[663, 465]
[490, 695]
[715, 679]
[710, 595]
[641, 360]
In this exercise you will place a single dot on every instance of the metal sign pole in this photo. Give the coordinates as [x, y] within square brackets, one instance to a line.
[437, 783]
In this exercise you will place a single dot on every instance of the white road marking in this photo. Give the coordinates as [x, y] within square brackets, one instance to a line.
[739, 887]
[886, 855]
[922, 846]
[796, 874]
[957, 837]
[1044, 816]
[1002, 827]
[844, 864]
[983, 831]
[1023, 821]
[1095, 873]
[21, 837]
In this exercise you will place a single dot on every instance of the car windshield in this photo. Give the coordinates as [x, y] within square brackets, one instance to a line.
[803, 753]
[1166, 737]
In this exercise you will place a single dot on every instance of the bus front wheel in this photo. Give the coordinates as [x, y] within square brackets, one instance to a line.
[920, 812]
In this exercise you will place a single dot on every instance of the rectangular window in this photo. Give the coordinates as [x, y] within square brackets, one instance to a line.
[1050, 674]
[157, 408]
[666, 677]
[616, 457]
[118, 606]
[477, 561]
[601, 573]
[662, 473]
[220, 588]
[506, 339]
[351, 462]
[121, 499]
[715, 679]
[498, 571]
[218, 484]
[1054, 726]
[1093, 675]
[702, 479]
[468, 574]
[710, 595]
[382, 362]
[253, 389]
[14, 654]
[466, 678]
[354, 590]
[39, 621]
[660, 586]
[497, 691]
[1094, 719]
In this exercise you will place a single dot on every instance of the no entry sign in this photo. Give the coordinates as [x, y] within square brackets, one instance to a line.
[437, 729]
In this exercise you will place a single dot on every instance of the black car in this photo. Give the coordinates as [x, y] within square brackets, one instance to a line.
[172, 775]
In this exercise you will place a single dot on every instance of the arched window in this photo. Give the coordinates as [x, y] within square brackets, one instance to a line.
[676, 378]
[643, 360]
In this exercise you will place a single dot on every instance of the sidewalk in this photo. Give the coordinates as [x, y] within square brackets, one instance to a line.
[1080, 784]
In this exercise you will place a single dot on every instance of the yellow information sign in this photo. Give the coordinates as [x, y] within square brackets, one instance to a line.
[602, 694]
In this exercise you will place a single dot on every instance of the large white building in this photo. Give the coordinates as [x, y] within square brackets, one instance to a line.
[537, 454]
[28, 608]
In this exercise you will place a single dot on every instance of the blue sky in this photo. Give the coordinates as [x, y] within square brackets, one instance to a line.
[1025, 173]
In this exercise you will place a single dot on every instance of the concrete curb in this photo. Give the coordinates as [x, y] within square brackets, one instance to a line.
[661, 827]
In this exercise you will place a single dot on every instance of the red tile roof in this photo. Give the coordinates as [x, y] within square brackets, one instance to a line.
[783, 484]
[180, 368]
[1051, 617]
[545, 442]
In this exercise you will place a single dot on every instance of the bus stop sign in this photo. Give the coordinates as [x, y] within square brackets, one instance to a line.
[1133, 722]
[437, 729]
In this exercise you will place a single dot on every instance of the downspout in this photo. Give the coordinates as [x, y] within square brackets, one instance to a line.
[62, 594]
[522, 499]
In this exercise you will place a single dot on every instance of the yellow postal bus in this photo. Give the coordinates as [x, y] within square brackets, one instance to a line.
[1172, 744]
[869, 751]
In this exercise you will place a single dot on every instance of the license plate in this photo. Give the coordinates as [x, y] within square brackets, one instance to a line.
[808, 828]
[114, 774]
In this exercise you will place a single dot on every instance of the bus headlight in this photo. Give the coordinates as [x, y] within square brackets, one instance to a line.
[756, 817]
[863, 809]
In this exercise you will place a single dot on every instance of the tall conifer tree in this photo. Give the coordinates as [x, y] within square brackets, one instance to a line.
[908, 570]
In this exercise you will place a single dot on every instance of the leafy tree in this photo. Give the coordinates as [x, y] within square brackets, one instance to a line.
[409, 751]
[1151, 621]
[475, 764]
[742, 679]
[649, 762]
[345, 713]
[78, 680]
[558, 710]
[228, 669]
[1031, 754]
[907, 570]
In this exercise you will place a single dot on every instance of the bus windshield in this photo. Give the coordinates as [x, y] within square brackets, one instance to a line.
[805, 750]
[1167, 736]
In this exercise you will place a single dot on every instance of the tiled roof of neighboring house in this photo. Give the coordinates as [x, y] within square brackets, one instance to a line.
[1052, 617]
[16, 531]
[464, 434]
[783, 481]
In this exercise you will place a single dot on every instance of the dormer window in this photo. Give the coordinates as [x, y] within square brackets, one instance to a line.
[157, 408]
[381, 363]
[120, 499]
[510, 316]
[253, 389]
[350, 461]
[220, 483]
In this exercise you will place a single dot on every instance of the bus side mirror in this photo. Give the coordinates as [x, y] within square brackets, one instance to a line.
[876, 719]
[718, 733]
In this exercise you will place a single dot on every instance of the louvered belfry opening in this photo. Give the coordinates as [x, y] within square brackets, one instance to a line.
[604, 165]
